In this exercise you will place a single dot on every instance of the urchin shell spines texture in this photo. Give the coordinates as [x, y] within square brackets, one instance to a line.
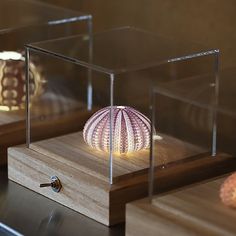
[228, 191]
[131, 130]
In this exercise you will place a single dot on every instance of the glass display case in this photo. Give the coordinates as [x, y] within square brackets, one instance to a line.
[192, 140]
[23, 22]
[103, 161]
[193, 120]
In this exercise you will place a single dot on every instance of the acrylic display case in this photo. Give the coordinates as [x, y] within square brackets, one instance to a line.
[199, 121]
[103, 164]
[23, 22]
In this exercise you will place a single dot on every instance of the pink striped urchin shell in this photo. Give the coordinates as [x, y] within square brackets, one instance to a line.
[228, 191]
[131, 130]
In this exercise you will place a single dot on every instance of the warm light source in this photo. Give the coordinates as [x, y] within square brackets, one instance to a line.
[13, 83]
[11, 55]
[131, 130]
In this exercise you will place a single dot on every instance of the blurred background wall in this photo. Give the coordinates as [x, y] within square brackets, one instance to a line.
[209, 22]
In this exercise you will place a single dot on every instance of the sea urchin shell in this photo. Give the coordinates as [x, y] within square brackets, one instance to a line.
[228, 191]
[131, 130]
[12, 80]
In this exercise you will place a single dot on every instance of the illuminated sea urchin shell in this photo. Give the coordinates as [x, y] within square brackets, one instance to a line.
[131, 130]
[12, 80]
[228, 191]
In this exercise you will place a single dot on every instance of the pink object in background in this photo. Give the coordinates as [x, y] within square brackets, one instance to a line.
[228, 191]
[131, 130]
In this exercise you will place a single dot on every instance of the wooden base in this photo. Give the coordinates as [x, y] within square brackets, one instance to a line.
[72, 150]
[84, 174]
[196, 210]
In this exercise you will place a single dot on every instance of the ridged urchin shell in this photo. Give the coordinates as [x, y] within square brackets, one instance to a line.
[12, 80]
[131, 130]
[228, 191]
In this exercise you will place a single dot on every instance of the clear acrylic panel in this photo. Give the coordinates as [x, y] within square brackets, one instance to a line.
[192, 119]
[61, 110]
[16, 14]
[114, 72]
[22, 22]
[226, 112]
[182, 127]
[123, 49]
[28, 21]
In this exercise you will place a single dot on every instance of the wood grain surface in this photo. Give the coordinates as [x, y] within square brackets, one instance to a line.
[94, 197]
[75, 152]
[201, 206]
[193, 210]
[80, 192]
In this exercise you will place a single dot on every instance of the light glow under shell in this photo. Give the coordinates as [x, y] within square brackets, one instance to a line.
[131, 130]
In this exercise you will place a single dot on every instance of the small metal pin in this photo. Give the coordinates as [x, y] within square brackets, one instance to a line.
[45, 185]
[55, 184]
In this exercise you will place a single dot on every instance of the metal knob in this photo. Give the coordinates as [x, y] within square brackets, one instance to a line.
[55, 184]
